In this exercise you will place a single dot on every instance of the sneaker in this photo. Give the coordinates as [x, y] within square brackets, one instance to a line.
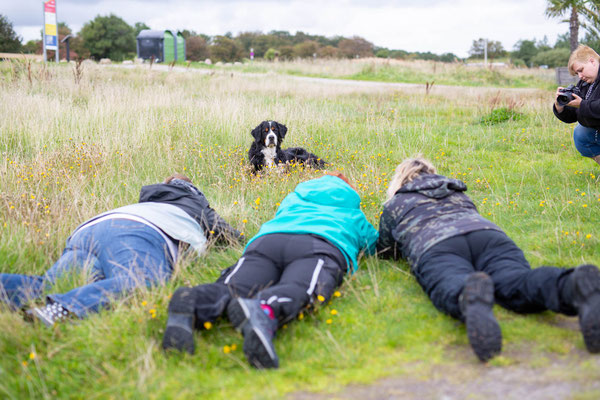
[179, 333]
[49, 314]
[586, 298]
[247, 316]
[476, 302]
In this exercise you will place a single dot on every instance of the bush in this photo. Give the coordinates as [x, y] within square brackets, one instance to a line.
[499, 115]
[552, 58]
[271, 54]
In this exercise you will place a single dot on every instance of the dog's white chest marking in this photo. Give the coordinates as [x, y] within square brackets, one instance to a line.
[269, 153]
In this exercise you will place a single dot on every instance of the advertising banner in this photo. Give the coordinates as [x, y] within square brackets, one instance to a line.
[50, 28]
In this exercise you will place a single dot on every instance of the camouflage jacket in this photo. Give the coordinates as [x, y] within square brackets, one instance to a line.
[424, 212]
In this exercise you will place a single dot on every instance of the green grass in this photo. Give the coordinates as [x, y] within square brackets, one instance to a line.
[71, 151]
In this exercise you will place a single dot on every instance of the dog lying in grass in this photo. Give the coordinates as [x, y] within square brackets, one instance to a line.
[266, 149]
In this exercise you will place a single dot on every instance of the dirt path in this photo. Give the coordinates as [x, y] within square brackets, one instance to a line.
[472, 380]
[445, 90]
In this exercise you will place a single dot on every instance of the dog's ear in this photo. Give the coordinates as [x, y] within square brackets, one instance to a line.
[282, 129]
[256, 132]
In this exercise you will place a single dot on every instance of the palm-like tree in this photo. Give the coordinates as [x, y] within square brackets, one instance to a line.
[589, 9]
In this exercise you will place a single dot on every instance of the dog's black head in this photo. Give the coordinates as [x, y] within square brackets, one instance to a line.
[269, 134]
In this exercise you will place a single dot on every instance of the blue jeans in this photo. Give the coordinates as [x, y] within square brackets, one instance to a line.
[120, 255]
[587, 141]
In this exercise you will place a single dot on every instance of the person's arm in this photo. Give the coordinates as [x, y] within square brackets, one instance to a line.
[589, 112]
[370, 235]
[386, 245]
[218, 229]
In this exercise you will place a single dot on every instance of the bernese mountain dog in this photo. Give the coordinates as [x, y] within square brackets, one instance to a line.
[266, 149]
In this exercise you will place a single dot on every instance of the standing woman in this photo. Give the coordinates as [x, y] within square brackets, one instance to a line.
[465, 262]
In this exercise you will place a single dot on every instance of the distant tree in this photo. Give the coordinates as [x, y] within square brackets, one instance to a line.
[108, 37]
[525, 50]
[494, 49]
[558, 8]
[286, 52]
[584, 13]
[448, 57]
[552, 58]
[32, 47]
[196, 48]
[543, 45]
[562, 41]
[74, 43]
[398, 54]
[10, 42]
[356, 47]
[328, 52]
[226, 49]
[306, 49]
[382, 53]
[140, 26]
[592, 40]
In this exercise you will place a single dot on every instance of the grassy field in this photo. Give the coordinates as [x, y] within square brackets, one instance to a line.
[415, 71]
[71, 150]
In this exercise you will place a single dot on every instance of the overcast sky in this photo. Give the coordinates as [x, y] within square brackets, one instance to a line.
[439, 26]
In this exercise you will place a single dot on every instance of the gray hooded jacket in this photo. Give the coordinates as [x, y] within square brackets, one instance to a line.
[424, 212]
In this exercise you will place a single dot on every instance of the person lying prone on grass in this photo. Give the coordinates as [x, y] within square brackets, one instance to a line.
[465, 262]
[300, 255]
[125, 248]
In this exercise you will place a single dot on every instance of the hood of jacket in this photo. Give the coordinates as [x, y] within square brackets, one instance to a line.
[433, 186]
[168, 193]
[328, 191]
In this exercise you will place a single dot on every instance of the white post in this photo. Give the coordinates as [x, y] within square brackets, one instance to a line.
[485, 53]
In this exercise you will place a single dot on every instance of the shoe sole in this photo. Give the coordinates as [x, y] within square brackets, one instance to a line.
[483, 331]
[179, 333]
[257, 347]
[38, 315]
[588, 284]
[258, 350]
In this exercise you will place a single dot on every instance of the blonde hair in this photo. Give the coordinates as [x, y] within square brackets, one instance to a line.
[408, 170]
[582, 54]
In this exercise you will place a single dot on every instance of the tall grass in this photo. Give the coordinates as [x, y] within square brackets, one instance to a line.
[70, 151]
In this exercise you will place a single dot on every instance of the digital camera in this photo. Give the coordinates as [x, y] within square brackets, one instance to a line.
[566, 95]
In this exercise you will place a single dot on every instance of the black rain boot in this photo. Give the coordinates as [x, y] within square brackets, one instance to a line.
[476, 302]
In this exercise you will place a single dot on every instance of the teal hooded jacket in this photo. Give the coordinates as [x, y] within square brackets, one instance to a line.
[327, 207]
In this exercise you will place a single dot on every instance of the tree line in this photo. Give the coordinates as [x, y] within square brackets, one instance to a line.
[111, 37]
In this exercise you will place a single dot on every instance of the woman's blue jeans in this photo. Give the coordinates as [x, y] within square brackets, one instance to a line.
[587, 141]
[120, 255]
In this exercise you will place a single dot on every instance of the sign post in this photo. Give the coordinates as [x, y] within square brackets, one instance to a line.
[50, 41]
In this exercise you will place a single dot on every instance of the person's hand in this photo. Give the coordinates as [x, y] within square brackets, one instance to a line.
[576, 102]
[558, 107]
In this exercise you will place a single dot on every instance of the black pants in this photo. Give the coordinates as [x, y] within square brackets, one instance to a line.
[285, 271]
[444, 268]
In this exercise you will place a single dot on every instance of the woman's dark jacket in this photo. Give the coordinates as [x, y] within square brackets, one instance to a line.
[193, 202]
[423, 212]
[588, 113]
